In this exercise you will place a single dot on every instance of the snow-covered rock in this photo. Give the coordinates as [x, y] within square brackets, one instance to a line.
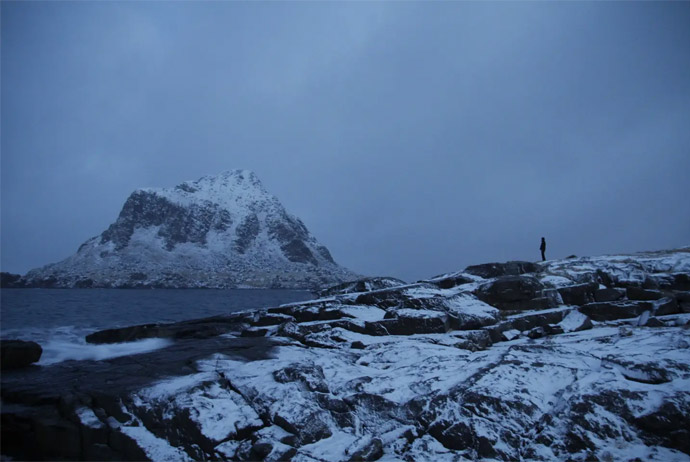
[361, 285]
[414, 372]
[221, 231]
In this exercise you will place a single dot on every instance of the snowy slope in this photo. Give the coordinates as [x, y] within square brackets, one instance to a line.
[219, 231]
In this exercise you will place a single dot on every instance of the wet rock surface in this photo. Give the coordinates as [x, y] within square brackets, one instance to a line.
[16, 354]
[579, 359]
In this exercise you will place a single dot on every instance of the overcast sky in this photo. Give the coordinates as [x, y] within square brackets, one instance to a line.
[411, 138]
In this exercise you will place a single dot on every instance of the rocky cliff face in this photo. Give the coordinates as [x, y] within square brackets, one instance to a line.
[580, 359]
[220, 232]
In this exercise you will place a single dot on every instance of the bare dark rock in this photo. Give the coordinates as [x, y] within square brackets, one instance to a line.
[246, 232]
[637, 293]
[397, 297]
[371, 451]
[666, 306]
[291, 234]
[261, 449]
[307, 428]
[11, 281]
[580, 294]
[676, 281]
[654, 322]
[511, 268]
[451, 281]
[198, 328]
[361, 285]
[549, 329]
[382, 406]
[176, 224]
[408, 323]
[291, 330]
[512, 292]
[473, 340]
[530, 321]
[331, 314]
[461, 436]
[683, 299]
[324, 252]
[357, 345]
[534, 304]
[609, 294]
[669, 424]
[609, 311]
[272, 319]
[19, 353]
[254, 332]
[308, 374]
[301, 313]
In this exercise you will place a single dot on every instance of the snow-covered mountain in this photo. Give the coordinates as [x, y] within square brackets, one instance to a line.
[220, 231]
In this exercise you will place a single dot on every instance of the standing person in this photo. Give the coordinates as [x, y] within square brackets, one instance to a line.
[542, 247]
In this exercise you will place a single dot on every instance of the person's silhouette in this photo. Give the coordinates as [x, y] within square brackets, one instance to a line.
[542, 247]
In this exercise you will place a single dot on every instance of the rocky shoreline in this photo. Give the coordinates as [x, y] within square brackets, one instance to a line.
[575, 359]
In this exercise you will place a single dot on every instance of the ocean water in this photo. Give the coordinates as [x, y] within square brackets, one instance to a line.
[59, 319]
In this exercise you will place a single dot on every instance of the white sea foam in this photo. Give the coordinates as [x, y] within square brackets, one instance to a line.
[55, 351]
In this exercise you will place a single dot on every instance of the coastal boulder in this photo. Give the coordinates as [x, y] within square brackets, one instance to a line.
[310, 375]
[451, 280]
[361, 285]
[683, 299]
[609, 311]
[578, 294]
[512, 293]
[19, 353]
[467, 312]
[666, 305]
[408, 322]
[676, 281]
[611, 294]
[403, 297]
[637, 293]
[529, 320]
[493, 270]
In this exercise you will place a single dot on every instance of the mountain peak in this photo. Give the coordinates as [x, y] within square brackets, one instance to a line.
[222, 230]
[227, 179]
[230, 177]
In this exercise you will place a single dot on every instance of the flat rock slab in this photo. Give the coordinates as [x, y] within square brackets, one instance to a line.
[196, 328]
[609, 311]
[511, 268]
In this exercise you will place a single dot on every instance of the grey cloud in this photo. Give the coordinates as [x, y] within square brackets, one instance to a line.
[412, 138]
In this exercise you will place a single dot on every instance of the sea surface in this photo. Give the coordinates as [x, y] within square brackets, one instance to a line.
[59, 319]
